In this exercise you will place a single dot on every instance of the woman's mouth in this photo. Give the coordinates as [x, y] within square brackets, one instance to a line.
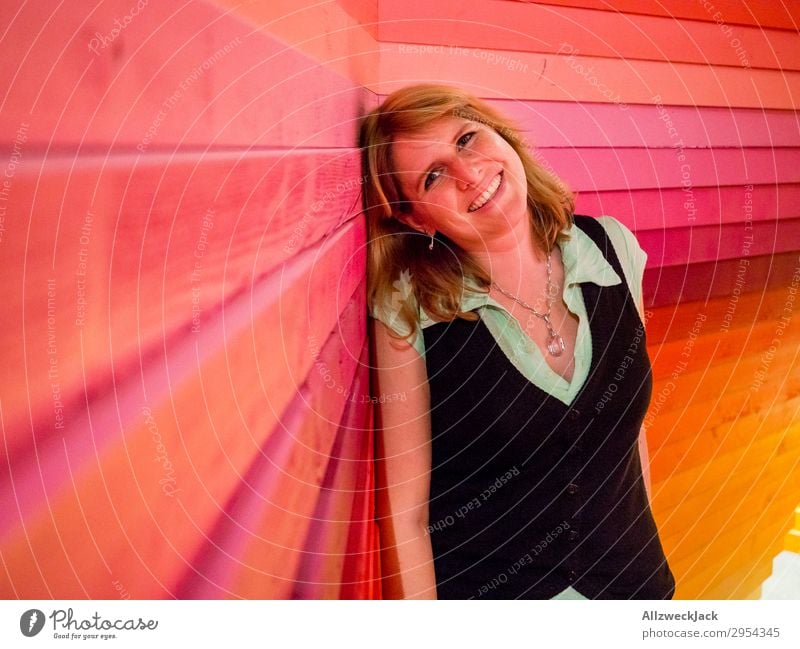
[487, 195]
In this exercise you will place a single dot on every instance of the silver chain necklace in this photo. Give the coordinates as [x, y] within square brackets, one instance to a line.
[555, 343]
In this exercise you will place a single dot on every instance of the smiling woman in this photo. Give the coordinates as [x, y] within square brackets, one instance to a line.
[502, 318]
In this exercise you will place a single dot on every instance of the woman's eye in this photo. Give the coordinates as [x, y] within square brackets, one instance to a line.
[431, 177]
[464, 139]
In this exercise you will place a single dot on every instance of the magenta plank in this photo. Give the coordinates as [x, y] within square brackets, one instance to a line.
[590, 124]
[708, 243]
[594, 170]
[658, 209]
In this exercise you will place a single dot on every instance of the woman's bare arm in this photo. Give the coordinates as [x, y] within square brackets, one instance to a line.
[403, 467]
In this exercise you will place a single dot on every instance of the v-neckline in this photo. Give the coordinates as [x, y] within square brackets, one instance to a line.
[539, 360]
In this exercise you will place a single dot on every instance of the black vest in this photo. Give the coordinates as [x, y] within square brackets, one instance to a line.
[528, 495]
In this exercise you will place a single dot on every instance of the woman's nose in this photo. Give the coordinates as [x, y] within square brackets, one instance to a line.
[466, 172]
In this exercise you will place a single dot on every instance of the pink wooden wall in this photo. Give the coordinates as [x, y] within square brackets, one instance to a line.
[184, 375]
[184, 386]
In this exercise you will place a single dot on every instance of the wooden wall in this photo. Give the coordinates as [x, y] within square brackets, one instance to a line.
[184, 387]
[184, 393]
[681, 120]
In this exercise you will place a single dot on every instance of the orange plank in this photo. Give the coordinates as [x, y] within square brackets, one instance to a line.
[566, 77]
[729, 473]
[533, 27]
[676, 322]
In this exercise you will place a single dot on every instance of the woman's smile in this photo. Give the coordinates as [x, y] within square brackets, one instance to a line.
[488, 194]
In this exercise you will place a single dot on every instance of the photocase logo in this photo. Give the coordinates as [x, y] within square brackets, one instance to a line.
[31, 622]
[403, 289]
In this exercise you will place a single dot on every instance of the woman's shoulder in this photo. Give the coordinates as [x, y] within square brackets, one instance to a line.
[630, 253]
[388, 313]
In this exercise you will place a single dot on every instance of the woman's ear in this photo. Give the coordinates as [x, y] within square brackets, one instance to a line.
[413, 221]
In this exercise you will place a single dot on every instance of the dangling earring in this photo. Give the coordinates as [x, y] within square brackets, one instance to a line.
[430, 245]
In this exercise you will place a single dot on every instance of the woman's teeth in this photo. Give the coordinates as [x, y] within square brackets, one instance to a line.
[483, 198]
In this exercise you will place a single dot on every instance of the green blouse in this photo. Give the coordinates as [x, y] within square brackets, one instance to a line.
[583, 262]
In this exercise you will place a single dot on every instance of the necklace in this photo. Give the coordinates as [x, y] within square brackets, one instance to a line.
[555, 343]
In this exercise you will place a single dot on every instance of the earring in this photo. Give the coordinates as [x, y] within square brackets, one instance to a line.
[430, 245]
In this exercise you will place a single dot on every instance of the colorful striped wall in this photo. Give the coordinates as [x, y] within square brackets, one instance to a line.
[681, 120]
[184, 392]
[184, 386]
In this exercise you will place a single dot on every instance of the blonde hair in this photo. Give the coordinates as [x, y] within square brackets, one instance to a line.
[397, 251]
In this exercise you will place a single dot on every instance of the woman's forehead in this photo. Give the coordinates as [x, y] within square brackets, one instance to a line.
[438, 129]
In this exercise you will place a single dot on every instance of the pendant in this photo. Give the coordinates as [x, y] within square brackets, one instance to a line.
[555, 345]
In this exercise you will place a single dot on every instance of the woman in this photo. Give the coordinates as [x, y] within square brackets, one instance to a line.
[511, 367]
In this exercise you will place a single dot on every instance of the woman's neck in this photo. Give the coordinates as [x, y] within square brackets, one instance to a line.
[512, 258]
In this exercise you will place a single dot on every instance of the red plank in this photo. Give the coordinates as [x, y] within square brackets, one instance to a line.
[659, 209]
[151, 248]
[769, 14]
[533, 27]
[178, 75]
[594, 124]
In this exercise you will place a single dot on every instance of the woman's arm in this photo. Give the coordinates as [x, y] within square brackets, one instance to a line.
[403, 468]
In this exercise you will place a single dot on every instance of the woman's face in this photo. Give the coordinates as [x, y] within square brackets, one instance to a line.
[463, 180]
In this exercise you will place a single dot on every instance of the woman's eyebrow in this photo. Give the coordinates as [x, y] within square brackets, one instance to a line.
[465, 126]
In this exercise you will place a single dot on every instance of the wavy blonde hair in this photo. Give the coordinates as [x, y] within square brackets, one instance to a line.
[395, 249]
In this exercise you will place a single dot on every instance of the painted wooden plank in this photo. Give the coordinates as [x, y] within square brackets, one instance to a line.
[678, 422]
[689, 531]
[273, 507]
[710, 441]
[276, 545]
[680, 284]
[676, 322]
[597, 124]
[768, 455]
[574, 77]
[658, 209]
[203, 384]
[366, 13]
[705, 345]
[765, 371]
[140, 252]
[601, 169]
[321, 569]
[361, 573]
[734, 573]
[734, 582]
[769, 14]
[330, 33]
[533, 27]
[681, 246]
[190, 76]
